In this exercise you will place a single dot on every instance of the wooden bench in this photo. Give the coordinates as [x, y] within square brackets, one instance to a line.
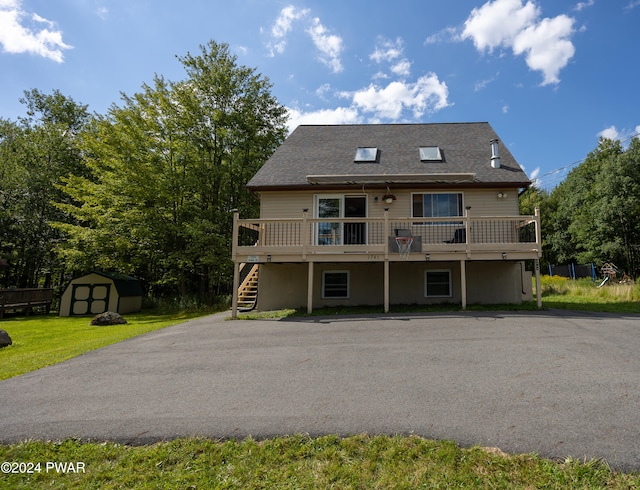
[25, 299]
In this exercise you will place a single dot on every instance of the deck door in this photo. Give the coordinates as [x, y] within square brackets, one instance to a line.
[336, 232]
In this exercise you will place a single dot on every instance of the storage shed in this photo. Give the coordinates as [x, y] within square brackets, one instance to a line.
[98, 292]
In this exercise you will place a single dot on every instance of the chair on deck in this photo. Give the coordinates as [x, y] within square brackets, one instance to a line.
[459, 236]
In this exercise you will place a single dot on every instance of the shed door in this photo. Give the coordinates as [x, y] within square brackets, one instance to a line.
[90, 298]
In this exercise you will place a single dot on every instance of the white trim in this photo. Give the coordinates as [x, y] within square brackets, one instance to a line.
[426, 273]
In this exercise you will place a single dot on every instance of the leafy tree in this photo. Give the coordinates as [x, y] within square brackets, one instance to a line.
[596, 210]
[166, 169]
[35, 154]
[533, 198]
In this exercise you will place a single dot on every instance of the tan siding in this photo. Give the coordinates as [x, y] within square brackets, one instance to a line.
[483, 202]
[285, 204]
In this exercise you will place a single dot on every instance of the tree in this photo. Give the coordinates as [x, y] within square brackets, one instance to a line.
[166, 169]
[597, 208]
[35, 154]
[533, 198]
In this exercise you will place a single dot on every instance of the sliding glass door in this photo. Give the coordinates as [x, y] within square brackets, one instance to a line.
[336, 232]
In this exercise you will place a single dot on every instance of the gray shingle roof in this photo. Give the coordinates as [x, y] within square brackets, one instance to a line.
[330, 151]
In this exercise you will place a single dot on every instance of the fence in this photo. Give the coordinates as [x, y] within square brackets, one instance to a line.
[573, 271]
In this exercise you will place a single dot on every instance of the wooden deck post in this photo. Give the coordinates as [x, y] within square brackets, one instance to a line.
[538, 287]
[386, 285]
[310, 288]
[386, 233]
[463, 283]
[236, 267]
[537, 261]
[234, 293]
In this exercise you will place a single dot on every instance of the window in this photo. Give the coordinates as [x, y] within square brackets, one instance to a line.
[335, 207]
[430, 154]
[366, 154]
[437, 205]
[335, 284]
[437, 284]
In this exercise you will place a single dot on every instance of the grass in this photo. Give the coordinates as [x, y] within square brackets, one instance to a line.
[584, 294]
[301, 462]
[43, 340]
[297, 461]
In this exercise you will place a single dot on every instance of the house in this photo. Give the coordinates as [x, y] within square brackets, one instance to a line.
[387, 214]
[98, 292]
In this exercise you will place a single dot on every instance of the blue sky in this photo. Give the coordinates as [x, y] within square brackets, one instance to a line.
[550, 76]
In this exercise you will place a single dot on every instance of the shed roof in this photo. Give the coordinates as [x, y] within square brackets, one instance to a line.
[125, 285]
[324, 156]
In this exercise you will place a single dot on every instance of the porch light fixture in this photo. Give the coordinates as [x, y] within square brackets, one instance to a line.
[388, 198]
[504, 255]
[427, 257]
[502, 195]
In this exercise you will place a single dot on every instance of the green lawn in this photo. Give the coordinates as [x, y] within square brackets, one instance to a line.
[585, 295]
[295, 462]
[42, 340]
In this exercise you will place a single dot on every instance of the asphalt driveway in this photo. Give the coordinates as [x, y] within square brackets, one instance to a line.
[555, 383]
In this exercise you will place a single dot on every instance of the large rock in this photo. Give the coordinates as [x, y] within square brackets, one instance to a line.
[108, 318]
[5, 340]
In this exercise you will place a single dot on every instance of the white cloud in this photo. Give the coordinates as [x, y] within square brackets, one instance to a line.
[632, 4]
[322, 90]
[387, 50]
[546, 47]
[329, 45]
[511, 24]
[284, 22]
[339, 115]
[23, 32]
[402, 68]
[376, 104]
[534, 175]
[446, 34]
[482, 84]
[282, 26]
[498, 22]
[611, 133]
[103, 13]
[427, 95]
[623, 135]
[582, 5]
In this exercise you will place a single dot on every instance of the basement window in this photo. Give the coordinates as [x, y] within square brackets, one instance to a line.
[437, 284]
[366, 154]
[335, 284]
[430, 154]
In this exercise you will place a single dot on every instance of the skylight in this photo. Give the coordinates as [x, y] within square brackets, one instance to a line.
[366, 154]
[430, 154]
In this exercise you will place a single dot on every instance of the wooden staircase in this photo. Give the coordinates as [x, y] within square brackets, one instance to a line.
[248, 290]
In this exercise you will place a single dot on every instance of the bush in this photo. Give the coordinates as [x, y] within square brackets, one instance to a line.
[554, 285]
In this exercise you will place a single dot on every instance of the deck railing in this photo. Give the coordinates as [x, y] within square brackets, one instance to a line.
[317, 235]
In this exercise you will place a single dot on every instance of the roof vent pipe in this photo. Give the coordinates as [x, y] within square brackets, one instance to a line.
[495, 158]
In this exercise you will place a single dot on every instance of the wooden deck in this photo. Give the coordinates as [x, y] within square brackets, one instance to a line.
[376, 240]
[314, 240]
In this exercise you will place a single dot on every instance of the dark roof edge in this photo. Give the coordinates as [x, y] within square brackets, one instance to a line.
[319, 187]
